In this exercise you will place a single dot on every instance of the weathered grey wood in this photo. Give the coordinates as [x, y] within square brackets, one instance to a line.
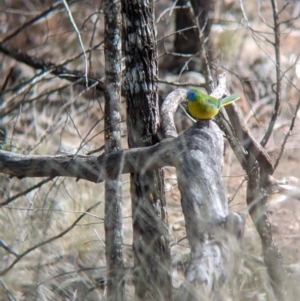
[90, 168]
[22, 166]
[204, 205]
[168, 109]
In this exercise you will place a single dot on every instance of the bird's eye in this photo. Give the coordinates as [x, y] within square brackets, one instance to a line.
[191, 95]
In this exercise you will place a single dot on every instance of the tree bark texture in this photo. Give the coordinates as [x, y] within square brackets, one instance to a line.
[113, 185]
[150, 227]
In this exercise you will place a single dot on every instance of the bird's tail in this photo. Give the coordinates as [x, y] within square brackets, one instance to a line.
[228, 99]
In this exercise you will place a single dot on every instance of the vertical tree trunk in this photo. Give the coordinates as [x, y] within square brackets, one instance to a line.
[257, 205]
[113, 187]
[190, 41]
[150, 229]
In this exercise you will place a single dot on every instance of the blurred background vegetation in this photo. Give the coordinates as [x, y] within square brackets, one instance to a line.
[45, 114]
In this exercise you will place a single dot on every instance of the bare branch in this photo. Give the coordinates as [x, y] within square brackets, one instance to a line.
[278, 74]
[249, 143]
[79, 39]
[170, 10]
[57, 70]
[22, 166]
[53, 238]
[287, 135]
[177, 84]
[175, 32]
[168, 109]
[90, 168]
[11, 199]
[7, 248]
[282, 187]
[290, 191]
[56, 6]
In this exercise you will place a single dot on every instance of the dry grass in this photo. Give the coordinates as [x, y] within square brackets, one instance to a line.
[72, 267]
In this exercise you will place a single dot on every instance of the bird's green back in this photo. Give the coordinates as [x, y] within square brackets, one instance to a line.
[203, 106]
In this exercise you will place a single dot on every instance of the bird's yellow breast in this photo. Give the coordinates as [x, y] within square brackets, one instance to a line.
[201, 110]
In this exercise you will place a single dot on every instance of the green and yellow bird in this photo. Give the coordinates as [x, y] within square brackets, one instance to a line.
[203, 106]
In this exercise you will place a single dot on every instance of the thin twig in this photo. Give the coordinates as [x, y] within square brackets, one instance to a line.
[6, 79]
[176, 84]
[51, 9]
[54, 210]
[11, 199]
[56, 69]
[51, 239]
[7, 291]
[7, 248]
[170, 9]
[177, 54]
[175, 32]
[287, 135]
[79, 39]
[278, 74]
[16, 105]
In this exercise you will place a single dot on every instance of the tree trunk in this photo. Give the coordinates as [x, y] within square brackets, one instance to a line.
[212, 238]
[257, 205]
[195, 13]
[113, 186]
[213, 234]
[150, 229]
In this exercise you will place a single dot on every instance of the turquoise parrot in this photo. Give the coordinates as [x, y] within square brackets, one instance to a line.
[203, 106]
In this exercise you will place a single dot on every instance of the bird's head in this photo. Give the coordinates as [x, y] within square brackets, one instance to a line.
[192, 94]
